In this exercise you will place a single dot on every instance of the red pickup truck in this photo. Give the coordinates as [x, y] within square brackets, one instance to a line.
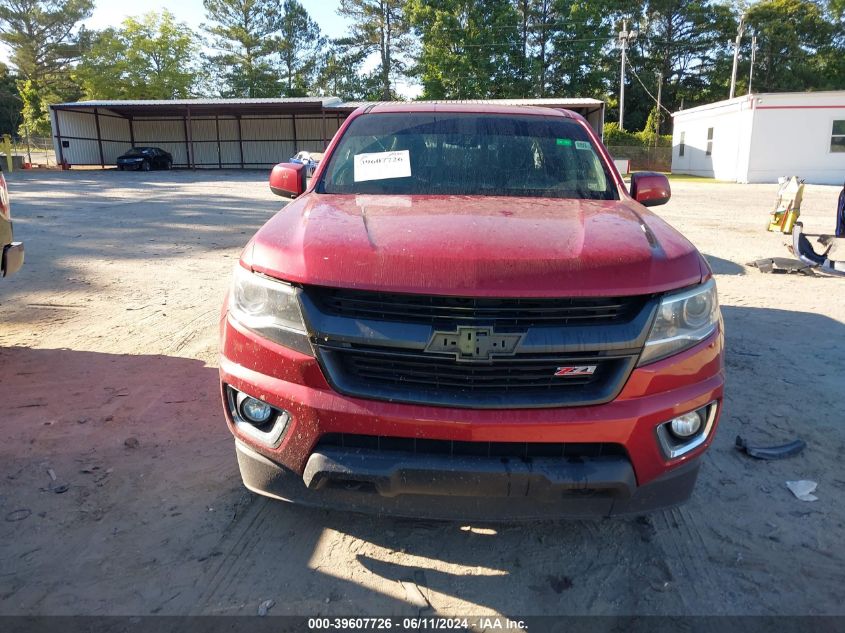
[465, 314]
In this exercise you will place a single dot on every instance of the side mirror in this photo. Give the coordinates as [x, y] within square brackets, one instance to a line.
[288, 180]
[650, 188]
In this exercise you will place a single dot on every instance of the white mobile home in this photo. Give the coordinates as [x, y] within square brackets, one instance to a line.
[759, 137]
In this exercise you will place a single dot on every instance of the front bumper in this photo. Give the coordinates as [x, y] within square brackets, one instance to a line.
[11, 259]
[393, 484]
[467, 489]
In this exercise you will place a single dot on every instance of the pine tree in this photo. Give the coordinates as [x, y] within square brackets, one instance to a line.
[378, 26]
[299, 46]
[243, 36]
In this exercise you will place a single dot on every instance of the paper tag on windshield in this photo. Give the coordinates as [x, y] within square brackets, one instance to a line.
[583, 145]
[382, 165]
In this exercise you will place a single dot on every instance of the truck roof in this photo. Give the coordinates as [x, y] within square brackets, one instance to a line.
[474, 107]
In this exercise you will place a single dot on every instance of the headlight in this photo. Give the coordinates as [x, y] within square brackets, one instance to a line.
[268, 307]
[683, 320]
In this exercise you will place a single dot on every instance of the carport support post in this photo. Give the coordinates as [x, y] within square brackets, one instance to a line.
[99, 138]
[56, 112]
[219, 155]
[189, 137]
[324, 129]
[131, 132]
[240, 140]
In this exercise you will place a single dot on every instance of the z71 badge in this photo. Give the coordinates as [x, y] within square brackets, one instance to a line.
[577, 370]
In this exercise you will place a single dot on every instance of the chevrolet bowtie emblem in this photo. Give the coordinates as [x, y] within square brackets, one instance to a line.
[474, 343]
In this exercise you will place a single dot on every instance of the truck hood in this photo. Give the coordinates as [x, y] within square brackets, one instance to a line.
[477, 246]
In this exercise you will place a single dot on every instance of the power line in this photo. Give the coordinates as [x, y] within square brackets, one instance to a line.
[519, 44]
[634, 72]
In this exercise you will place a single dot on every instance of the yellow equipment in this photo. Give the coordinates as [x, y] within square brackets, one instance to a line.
[6, 144]
[787, 204]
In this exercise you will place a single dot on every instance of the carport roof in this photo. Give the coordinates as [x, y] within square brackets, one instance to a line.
[198, 107]
[294, 105]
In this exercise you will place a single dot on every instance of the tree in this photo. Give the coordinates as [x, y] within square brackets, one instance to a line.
[541, 17]
[36, 119]
[340, 74]
[582, 61]
[469, 50]
[43, 40]
[42, 36]
[10, 102]
[299, 45]
[378, 26]
[152, 57]
[243, 36]
[798, 48]
[684, 44]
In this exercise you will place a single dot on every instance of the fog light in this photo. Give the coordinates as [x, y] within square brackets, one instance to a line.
[686, 432]
[256, 419]
[686, 425]
[256, 411]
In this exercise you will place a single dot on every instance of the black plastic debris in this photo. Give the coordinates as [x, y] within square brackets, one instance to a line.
[820, 261]
[770, 452]
[782, 265]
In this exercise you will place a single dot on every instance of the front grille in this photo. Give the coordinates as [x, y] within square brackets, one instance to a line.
[409, 376]
[475, 352]
[437, 309]
[454, 448]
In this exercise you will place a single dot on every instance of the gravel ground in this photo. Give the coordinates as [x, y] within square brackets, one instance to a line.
[119, 491]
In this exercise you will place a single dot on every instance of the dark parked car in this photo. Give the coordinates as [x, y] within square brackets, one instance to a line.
[145, 159]
[11, 252]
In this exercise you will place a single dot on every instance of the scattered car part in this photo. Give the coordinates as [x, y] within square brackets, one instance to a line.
[311, 160]
[770, 452]
[803, 489]
[802, 248]
[782, 265]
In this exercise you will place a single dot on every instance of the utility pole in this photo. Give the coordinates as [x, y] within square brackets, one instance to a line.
[753, 55]
[625, 36]
[657, 118]
[736, 54]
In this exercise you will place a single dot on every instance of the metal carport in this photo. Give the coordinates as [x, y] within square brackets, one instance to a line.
[221, 133]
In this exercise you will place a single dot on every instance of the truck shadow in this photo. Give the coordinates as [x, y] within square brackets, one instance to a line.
[724, 266]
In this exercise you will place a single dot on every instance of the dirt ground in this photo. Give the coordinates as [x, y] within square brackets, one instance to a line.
[108, 383]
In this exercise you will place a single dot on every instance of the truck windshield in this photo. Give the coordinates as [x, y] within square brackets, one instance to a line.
[467, 154]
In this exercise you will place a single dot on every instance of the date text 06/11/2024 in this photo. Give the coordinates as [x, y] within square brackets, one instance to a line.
[493, 623]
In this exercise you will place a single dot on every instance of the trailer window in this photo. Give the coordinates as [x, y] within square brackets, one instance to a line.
[837, 138]
[709, 141]
[683, 144]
